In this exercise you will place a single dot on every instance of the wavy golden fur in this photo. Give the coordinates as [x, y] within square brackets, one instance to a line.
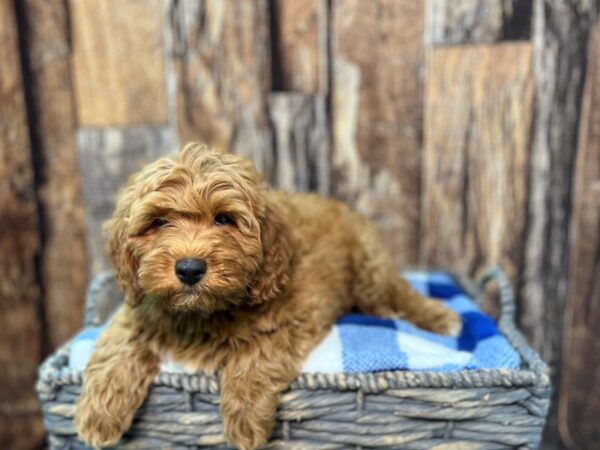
[280, 269]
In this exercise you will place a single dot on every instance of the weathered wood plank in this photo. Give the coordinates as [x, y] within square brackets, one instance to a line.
[118, 62]
[580, 386]
[301, 141]
[20, 352]
[455, 22]
[377, 113]
[107, 158]
[63, 261]
[478, 109]
[300, 45]
[561, 31]
[221, 59]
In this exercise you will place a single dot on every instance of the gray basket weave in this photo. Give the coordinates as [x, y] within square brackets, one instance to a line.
[471, 410]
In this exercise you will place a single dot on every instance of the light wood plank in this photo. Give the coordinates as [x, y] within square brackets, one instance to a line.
[455, 22]
[118, 62]
[301, 45]
[221, 60]
[301, 142]
[377, 115]
[478, 108]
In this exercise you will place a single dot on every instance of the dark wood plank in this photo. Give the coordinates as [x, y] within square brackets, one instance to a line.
[119, 62]
[63, 259]
[479, 103]
[20, 333]
[300, 45]
[456, 22]
[561, 33]
[580, 384]
[562, 30]
[376, 110]
[222, 71]
[107, 158]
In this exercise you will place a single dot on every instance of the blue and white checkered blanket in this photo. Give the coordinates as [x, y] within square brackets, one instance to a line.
[359, 343]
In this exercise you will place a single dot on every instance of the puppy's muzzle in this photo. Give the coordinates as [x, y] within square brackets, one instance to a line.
[190, 271]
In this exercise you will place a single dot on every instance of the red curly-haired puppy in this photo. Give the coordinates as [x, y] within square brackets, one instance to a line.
[224, 274]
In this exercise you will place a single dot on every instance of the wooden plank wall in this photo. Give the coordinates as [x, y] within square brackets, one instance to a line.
[20, 319]
[52, 125]
[478, 108]
[581, 343]
[377, 102]
[453, 124]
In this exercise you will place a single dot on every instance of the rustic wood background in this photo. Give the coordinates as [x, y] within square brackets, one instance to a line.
[469, 130]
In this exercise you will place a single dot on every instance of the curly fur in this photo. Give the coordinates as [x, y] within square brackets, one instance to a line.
[278, 277]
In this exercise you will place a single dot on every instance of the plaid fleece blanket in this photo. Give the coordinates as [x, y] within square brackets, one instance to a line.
[360, 343]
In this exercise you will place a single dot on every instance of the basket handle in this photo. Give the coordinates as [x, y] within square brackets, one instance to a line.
[507, 297]
[506, 323]
[99, 282]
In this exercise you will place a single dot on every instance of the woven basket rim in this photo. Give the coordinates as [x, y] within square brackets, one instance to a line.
[55, 372]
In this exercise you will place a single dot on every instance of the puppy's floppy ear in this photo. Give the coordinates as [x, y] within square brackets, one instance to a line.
[273, 275]
[121, 254]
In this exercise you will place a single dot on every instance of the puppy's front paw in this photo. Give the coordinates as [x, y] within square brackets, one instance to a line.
[97, 429]
[440, 319]
[249, 426]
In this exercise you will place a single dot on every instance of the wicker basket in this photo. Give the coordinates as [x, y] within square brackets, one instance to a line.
[484, 409]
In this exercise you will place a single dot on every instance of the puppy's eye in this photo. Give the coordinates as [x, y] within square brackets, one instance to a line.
[224, 219]
[158, 222]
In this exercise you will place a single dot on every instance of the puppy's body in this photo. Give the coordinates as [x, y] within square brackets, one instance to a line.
[284, 269]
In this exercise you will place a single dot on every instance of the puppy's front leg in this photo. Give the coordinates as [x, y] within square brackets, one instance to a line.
[115, 383]
[251, 383]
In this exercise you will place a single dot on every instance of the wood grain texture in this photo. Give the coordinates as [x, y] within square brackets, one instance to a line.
[300, 38]
[377, 113]
[107, 158]
[580, 384]
[118, 62]
[20, 333]
[63, 260]
[221, 60]
[561, 32]
[301, 142]
[455, 22]
[494, 183]
[478, 109]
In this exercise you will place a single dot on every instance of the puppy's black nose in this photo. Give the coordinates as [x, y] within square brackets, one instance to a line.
[189, 271]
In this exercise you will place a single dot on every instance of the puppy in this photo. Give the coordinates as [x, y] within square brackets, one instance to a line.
[221, 273]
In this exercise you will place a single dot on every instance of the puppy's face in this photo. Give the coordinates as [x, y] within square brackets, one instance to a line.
[187, 232]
